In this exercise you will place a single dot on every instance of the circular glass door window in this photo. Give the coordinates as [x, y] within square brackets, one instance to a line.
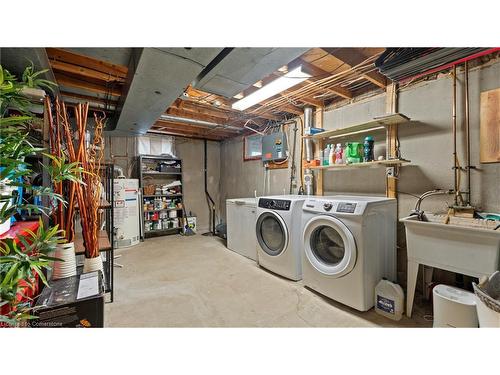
[327, 245]
[271, 234]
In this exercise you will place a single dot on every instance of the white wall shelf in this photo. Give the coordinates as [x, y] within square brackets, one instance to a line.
[376, 123]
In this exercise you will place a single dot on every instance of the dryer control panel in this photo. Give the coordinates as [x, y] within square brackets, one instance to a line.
[275, 204]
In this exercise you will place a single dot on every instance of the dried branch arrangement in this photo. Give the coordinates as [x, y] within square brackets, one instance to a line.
[89, 156]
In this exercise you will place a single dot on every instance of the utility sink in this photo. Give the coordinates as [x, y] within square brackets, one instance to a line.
[467, 246]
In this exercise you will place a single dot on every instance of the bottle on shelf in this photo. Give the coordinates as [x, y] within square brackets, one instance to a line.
[331, 156]
[339, 154]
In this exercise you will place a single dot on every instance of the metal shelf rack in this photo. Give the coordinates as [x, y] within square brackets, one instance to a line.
[148, 169]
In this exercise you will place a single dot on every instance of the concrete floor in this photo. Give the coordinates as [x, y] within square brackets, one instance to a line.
[177, 281]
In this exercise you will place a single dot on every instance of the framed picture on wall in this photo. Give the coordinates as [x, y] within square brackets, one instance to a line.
[252, 147]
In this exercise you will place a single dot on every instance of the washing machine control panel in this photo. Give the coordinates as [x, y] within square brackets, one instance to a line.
[275, 204]
[328, 206]
[346, 207]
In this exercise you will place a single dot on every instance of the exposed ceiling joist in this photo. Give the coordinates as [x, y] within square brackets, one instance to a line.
[320, 73]
[194, 127]
[194, 116]
[175, 129]
[64, 80]
[84, 72]
[352, 57]
[58, 54]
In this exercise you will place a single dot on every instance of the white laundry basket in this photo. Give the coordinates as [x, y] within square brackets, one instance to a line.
[487, 302]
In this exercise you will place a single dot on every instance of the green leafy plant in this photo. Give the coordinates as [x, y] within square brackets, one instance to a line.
[30, 78]
[21, 261]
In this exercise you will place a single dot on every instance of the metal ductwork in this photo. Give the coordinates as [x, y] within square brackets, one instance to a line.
[156, 77]
[199, 122]
[308, 142]
[239, 68]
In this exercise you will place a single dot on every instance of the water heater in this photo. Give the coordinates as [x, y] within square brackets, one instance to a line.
[126, 213]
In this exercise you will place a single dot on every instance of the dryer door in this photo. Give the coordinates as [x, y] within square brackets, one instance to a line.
[272, 233]
[329, 246]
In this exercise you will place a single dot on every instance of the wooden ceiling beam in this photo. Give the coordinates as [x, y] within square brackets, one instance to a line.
[190, 106]
[188, 131]
[181, 125]
[352, 57]
[319, 73]
[59, 54]
[64, 80]
[185, 135]
[84, 72]
[195, 116]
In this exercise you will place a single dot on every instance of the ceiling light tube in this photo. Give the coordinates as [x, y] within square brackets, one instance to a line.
[292, 78]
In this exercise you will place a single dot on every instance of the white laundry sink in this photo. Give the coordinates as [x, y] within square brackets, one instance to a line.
[468, 247]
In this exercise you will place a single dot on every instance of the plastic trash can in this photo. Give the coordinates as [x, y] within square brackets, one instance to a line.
[454, 307]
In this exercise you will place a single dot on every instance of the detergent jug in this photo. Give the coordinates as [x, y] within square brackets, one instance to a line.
[354, 152]
[368, 149]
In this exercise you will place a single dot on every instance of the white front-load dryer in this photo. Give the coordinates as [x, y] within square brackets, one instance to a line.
[349, 245]
[278, 231]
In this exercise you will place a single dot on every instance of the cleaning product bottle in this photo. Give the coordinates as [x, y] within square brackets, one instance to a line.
[389, 299]
[331, 156]
[339, 154]
[326, 153]
[368, 149]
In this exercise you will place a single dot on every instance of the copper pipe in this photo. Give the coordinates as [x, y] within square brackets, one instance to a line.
[467, 131]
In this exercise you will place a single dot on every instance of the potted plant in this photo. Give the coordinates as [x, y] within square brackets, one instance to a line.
[24, 258]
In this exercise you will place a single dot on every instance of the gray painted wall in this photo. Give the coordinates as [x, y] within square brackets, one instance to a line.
[123, 151]
[240, 179]
[426, 141]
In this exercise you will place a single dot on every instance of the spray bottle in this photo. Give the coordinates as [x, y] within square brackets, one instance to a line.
[326, 153]
[339, 154]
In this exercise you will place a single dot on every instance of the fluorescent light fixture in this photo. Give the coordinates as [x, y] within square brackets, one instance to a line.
[292, 78]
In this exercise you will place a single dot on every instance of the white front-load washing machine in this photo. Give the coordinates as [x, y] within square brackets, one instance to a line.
[349, 245]
[278, 231]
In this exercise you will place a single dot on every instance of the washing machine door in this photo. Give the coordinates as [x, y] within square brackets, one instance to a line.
[329, 246]
[272, 233]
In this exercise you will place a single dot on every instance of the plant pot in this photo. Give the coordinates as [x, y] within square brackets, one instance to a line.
[93, 264]
[66, 267]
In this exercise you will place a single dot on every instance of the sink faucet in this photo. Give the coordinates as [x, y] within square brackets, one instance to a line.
[417, 211]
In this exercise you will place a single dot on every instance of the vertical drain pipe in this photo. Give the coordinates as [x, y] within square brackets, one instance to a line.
[467, 131]
[209, 197]
[454, 129]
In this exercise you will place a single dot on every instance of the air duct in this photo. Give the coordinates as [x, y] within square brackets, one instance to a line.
[198, 122]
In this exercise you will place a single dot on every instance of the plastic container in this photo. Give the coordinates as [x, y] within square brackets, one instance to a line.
[453, 307]
[389, 300]
[326, 154]
[368, 146]
[339, 154]
[331, 156]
